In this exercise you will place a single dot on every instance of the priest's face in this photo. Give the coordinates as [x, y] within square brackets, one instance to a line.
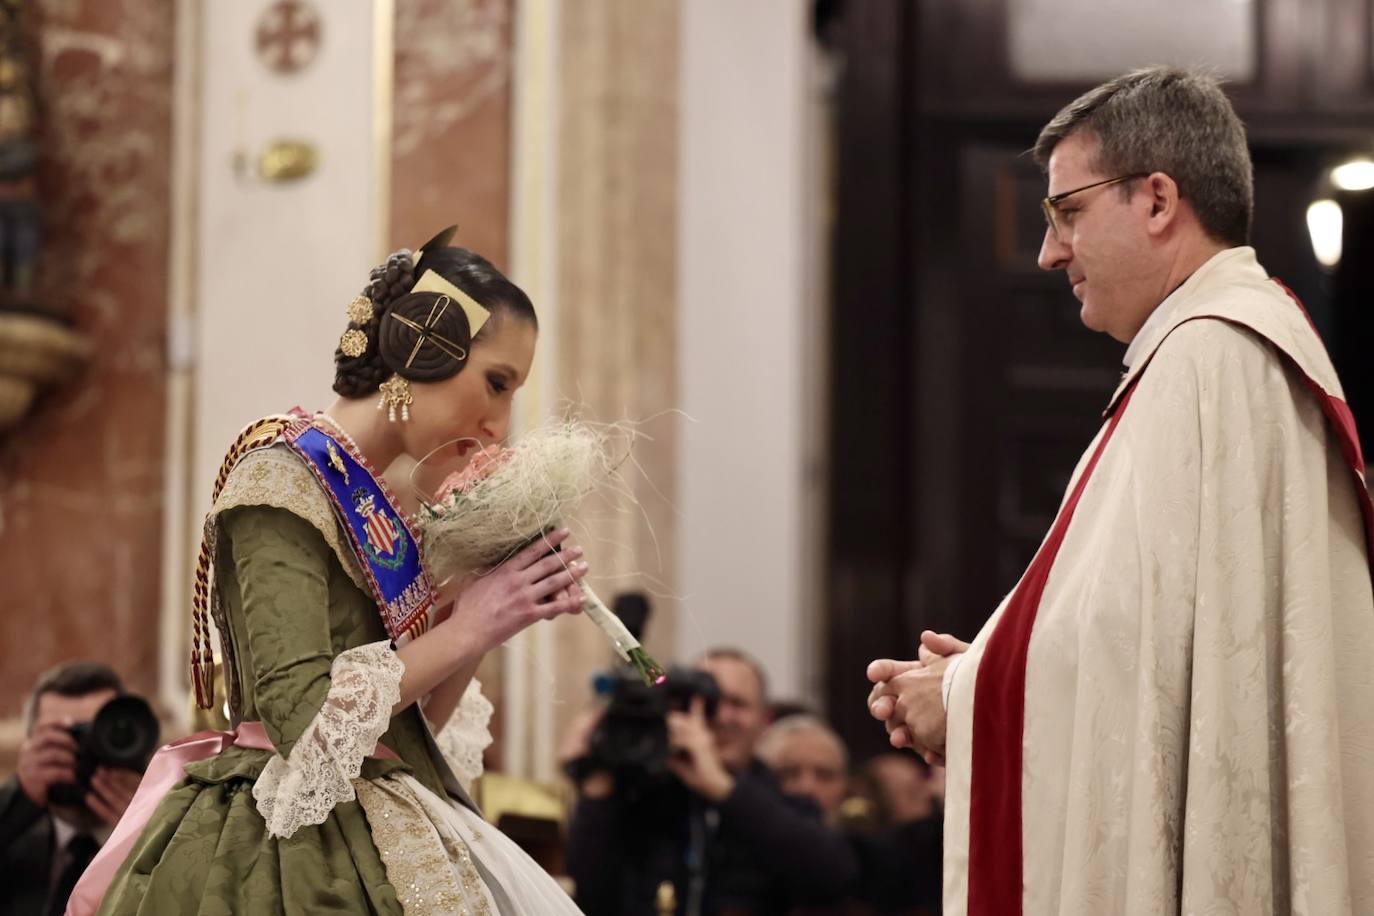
[1099, 238]
[452, 419]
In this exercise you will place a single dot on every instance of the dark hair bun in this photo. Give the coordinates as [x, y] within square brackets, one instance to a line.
[442, 351]
[390, 342]
[390, 281]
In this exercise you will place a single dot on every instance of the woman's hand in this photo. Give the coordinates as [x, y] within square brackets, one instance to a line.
[535, 584]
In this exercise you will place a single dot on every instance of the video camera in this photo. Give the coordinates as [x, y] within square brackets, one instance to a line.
[631, 740]
[123, 735]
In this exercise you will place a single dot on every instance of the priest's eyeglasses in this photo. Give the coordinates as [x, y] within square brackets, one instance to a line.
[1050, 205]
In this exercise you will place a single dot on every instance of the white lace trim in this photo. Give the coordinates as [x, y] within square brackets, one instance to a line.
[301, 790]
[466, 735]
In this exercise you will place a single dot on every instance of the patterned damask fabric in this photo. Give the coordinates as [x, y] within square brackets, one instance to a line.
[1198, 735]
[302, 789]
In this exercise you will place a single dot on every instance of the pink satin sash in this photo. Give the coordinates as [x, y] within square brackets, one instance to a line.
[167, 768]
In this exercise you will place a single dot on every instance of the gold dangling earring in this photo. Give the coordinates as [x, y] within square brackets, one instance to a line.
[395, 393]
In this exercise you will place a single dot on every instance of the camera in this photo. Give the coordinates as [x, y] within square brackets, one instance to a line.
[631, 739]
[123, 735]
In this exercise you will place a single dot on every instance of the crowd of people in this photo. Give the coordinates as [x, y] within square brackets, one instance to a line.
[753, 814]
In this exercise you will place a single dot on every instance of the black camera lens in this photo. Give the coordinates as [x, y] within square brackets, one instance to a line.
[124, 733]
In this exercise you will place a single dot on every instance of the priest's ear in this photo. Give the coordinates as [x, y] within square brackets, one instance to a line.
[1165, 204]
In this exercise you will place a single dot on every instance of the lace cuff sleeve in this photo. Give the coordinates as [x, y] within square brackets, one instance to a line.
[465, 736]
[301, 790]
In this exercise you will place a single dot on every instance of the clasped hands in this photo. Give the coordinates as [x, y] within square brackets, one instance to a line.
[908, 696]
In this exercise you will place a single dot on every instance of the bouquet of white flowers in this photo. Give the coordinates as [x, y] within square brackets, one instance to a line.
[509, 497]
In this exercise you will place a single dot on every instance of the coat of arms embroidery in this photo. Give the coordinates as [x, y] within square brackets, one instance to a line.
[386, 544]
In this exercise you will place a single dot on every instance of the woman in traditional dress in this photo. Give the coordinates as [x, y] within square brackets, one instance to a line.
[335, 641]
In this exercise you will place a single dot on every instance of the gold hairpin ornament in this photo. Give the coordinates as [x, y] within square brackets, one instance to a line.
[360, 310]
[426, 333]
[433, 282]
[353, 343]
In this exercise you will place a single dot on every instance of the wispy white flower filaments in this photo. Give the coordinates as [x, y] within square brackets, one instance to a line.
[508, 497]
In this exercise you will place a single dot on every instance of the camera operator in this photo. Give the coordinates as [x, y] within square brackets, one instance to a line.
[45, 844]
[717, 836]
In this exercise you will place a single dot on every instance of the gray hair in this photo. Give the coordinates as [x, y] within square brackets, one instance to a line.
[1163, 119]
[801, 722]
[739, 655]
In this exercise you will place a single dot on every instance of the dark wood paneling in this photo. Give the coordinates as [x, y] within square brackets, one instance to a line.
[871, 399]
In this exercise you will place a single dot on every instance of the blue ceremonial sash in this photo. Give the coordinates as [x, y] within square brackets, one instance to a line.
[382, 541]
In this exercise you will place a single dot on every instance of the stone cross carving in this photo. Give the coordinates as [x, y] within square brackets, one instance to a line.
[288, 36]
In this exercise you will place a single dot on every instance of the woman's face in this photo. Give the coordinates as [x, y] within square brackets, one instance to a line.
[474, 406]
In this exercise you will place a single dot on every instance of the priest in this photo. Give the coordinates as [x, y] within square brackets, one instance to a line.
[1173, 711]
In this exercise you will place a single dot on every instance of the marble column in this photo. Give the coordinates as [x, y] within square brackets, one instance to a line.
[451, 123]
[617, 304]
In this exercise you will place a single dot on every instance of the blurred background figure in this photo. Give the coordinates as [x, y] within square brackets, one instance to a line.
[675, 808]
[809, 760]
[896, 824]
[905, 789]
[69, 789]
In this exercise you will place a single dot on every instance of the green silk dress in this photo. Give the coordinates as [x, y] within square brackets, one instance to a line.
[292, 612]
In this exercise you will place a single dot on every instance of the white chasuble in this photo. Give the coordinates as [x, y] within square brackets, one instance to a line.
[1174, 710]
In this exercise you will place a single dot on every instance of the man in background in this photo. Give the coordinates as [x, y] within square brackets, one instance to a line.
[809, 760]
[719, 836]
[45, 846]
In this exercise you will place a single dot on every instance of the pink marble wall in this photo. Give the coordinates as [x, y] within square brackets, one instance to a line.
[451, 123]
[81, 479]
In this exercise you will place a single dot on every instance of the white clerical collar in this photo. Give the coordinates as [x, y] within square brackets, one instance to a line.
[1144, 339]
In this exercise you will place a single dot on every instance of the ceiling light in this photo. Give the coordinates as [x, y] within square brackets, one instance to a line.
[1355, 175]
[1325, 223]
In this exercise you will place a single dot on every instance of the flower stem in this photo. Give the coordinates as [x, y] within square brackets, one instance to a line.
[650, 670]
[626, 646]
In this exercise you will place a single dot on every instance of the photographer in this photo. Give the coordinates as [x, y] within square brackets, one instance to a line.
[717, 836]
[46, 841]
